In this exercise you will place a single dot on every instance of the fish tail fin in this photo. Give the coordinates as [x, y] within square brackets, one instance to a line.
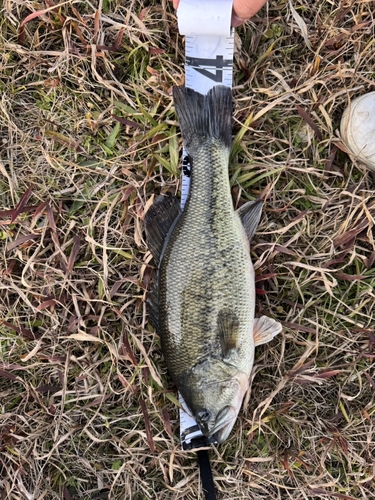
[204, 117]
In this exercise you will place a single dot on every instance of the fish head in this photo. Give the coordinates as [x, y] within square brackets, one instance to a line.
[214, 394]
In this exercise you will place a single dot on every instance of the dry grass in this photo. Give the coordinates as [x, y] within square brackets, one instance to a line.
[88, 135]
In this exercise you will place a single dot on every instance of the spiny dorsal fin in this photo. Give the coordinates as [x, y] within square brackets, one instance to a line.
[265, 329]
[152, 306]
[250, 214]
[228, 330]
[159, 219]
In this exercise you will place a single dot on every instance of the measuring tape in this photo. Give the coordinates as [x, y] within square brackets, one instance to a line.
[209, 47]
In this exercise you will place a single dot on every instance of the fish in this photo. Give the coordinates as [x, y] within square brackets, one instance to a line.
[203, 302]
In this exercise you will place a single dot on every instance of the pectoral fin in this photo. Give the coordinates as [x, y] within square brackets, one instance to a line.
[159, 220]
[228, 330]
[250, 214]
[265, 329]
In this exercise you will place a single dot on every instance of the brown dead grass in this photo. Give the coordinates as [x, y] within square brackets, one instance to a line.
[88, 134]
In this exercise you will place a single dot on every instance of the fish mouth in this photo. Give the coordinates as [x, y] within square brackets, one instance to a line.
[227, 417]
[225, 421]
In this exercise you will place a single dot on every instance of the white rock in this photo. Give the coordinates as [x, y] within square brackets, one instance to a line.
[358, 129]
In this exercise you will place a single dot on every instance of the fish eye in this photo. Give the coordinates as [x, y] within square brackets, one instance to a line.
[204, 416]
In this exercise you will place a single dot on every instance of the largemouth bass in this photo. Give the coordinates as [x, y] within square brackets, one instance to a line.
[204, 300]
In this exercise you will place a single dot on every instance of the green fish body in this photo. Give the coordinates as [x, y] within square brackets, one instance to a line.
[204, 300]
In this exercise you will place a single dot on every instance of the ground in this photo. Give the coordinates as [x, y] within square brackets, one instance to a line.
[88, 135]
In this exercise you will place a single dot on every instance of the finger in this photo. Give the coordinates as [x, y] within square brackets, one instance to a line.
[244, 9]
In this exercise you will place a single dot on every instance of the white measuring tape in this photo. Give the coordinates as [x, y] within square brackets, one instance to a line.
[209, 61]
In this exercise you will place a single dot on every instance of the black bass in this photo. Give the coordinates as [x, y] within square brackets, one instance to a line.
[203, 303]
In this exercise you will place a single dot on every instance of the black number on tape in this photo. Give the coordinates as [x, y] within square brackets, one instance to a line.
[186, 166]
[210, 68]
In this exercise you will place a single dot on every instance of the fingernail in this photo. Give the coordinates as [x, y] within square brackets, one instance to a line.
[237, 21]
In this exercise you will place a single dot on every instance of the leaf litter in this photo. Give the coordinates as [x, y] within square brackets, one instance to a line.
[88, 136]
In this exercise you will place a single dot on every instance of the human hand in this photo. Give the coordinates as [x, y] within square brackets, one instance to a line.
[242, 10]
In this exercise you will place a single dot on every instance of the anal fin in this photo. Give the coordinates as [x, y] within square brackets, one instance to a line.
[250, 214]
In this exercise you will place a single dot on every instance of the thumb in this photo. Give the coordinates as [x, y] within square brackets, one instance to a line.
[244, 9]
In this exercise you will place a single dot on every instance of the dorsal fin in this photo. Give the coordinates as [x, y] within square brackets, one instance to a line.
[152, 306]
[158, 221]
